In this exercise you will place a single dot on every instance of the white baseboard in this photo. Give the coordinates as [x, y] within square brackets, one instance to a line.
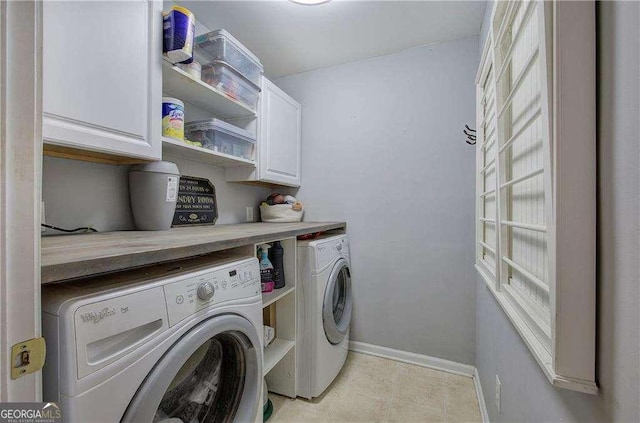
[413, 358]
[481, 403]
[426, 361]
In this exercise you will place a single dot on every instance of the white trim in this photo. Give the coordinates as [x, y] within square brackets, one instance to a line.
[413, 358]
[481, 403]
[20, 189]
[539, 352]
[575, 199]
[483, 59]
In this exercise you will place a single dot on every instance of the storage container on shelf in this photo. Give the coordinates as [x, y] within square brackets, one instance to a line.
[221, 46]
[280, 213]
[153, 191]
[172, 118]
[228, 80]
[220, 136]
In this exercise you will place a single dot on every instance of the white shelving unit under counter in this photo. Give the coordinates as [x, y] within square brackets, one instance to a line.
[280, 312]
[275, 352]
[276, 294]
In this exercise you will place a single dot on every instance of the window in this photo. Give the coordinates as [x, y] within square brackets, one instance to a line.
[536, 180]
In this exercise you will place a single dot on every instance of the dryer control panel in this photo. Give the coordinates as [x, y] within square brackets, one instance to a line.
[191, 294]
[327, 251]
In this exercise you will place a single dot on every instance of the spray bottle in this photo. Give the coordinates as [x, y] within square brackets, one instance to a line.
[266, 269]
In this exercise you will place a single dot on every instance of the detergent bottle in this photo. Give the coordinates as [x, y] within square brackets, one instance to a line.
[266, 269]
[277, 255]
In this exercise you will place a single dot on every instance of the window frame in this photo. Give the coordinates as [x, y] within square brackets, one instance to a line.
[566, 56]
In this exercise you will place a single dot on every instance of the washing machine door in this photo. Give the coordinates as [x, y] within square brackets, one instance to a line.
[337, 304]
[213, 373]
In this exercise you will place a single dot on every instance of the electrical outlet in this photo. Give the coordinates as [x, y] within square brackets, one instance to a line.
[498, 384]
[250, 217]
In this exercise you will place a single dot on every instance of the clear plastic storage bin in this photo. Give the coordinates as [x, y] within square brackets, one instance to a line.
[223, 77]
[221, 46]
[222, 137]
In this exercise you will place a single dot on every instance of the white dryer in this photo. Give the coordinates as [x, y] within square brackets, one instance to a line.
[181, 340]
[324, 312]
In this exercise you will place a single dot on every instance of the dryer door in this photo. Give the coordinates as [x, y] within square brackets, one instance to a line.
[213, 373]
[337, 304]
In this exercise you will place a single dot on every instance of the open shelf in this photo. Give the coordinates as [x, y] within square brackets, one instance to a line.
[191, 152]
[276, 294]
[276, 352]
[179, 84]
[280, 312]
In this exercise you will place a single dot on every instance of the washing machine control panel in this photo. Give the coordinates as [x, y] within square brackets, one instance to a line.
[326, 252]
[190, 294]
[205, 291]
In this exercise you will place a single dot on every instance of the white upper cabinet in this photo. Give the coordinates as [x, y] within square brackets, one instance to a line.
[279, 136]
[102, 77]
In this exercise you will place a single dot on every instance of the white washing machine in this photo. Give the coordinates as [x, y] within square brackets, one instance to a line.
[324, 312]
[174, 342]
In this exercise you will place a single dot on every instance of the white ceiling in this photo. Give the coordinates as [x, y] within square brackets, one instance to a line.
[290, 38]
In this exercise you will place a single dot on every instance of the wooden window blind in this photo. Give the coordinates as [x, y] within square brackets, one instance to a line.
[520, 171]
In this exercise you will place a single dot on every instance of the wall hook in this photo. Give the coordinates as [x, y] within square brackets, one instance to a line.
[471, 135]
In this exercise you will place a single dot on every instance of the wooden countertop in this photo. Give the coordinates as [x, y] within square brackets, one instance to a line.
[72, 256]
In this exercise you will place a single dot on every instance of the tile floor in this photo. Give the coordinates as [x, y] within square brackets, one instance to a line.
[373, 389]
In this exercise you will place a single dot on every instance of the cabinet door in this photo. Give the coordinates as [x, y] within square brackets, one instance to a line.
[102, 76]
[280, 134]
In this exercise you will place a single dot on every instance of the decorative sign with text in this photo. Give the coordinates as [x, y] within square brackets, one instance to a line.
[197, 204]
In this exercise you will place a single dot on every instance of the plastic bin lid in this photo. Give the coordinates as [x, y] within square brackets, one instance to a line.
[156, 167]
[221, 33]
[220, 125]
[236, 72]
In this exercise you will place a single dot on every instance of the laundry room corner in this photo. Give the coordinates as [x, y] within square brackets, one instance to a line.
[382, 148]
